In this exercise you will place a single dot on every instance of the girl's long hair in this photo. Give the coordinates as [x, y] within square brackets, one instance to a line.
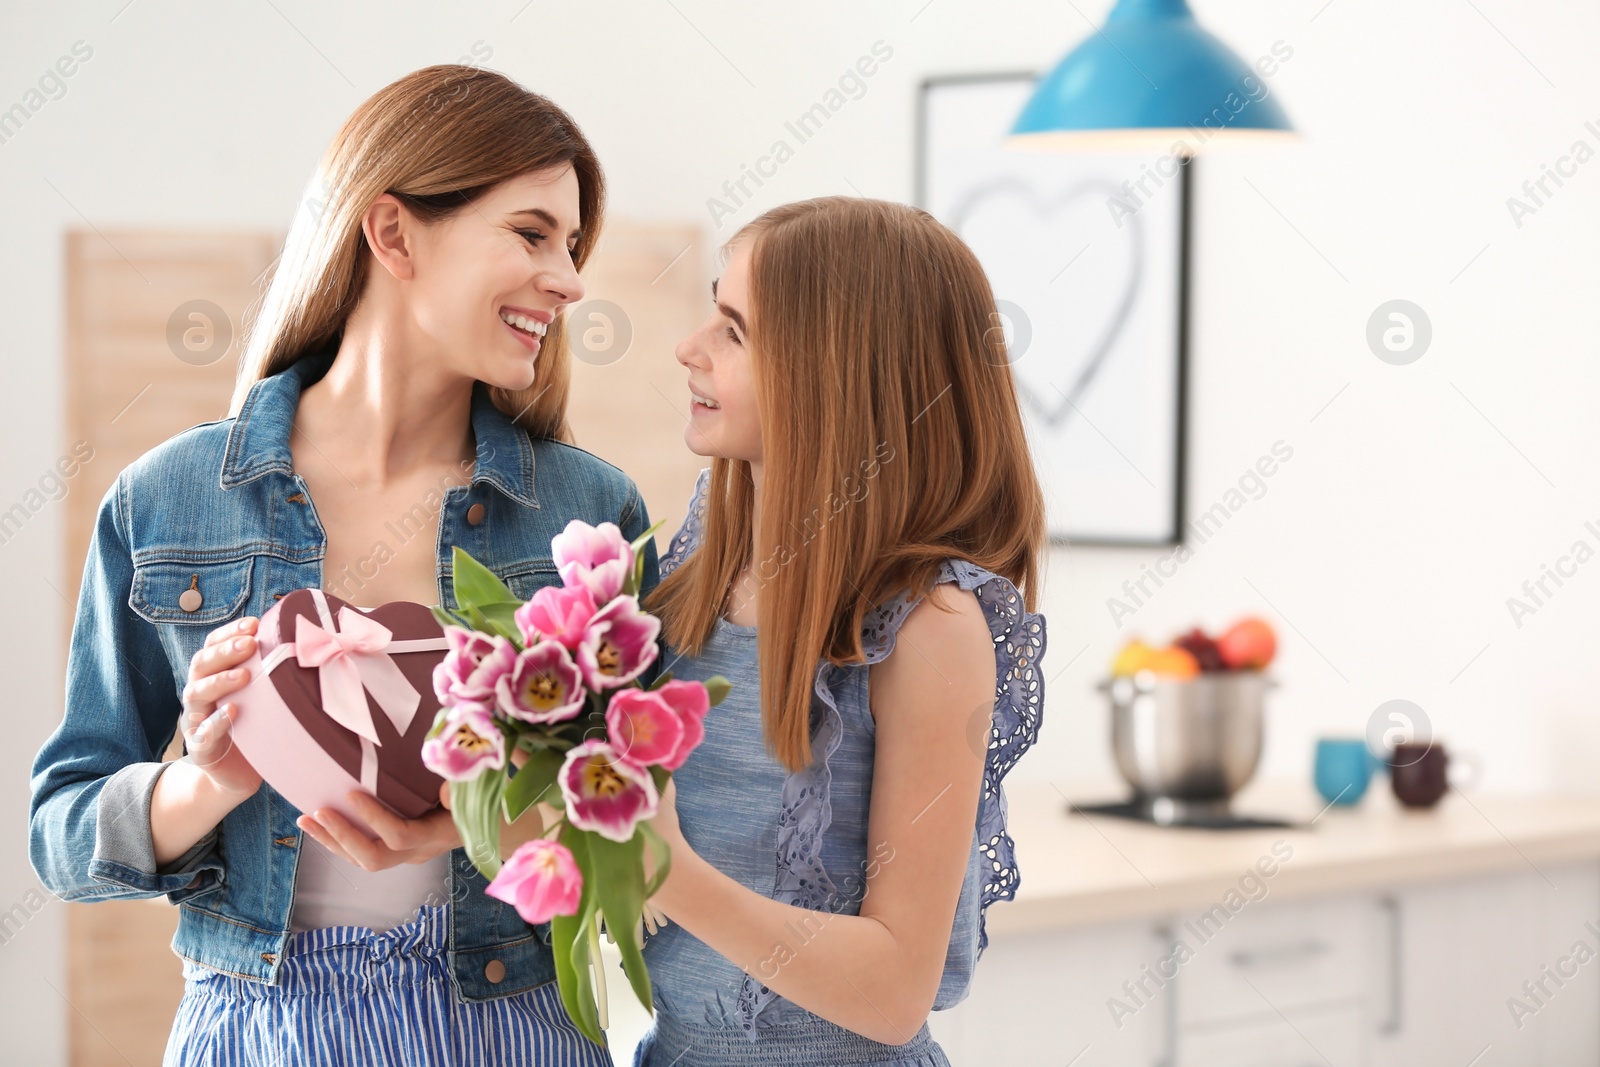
[437, 139]
[891, 440]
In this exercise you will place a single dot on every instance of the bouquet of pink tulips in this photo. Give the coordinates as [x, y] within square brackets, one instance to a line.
[540, 703]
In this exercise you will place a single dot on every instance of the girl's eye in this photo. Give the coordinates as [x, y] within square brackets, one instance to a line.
[533, 237]
[732, 336]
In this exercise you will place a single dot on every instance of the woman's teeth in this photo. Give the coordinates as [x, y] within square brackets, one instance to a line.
[704, 401]
[523, 323]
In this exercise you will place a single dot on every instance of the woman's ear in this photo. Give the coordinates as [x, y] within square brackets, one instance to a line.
[388, 229]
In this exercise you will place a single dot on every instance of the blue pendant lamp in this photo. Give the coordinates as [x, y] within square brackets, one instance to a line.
[1150, 78]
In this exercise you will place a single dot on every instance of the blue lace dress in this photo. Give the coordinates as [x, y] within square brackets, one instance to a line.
[801, 837]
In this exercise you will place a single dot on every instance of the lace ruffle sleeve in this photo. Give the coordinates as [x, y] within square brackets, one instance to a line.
[1019, 637]
[688, 536]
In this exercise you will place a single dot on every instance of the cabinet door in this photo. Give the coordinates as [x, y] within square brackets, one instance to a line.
[1307, 1038]
[1275, 984]
[1273, 958]
[1466, 948]
[1046, 998]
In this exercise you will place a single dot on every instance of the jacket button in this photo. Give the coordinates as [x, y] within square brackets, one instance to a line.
[495, 971]
[190, 599]
[475, 515]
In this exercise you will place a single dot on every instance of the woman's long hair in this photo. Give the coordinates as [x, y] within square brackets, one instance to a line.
[891, 440]
[437, 139]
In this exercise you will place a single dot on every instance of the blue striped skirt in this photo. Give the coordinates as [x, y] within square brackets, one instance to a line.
[349, 997]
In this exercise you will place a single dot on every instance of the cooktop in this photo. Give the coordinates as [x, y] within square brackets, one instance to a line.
[1194, 815]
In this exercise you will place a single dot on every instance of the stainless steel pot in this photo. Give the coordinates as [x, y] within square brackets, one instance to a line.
[1187, 744]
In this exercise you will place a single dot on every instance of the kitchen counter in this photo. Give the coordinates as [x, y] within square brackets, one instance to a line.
[1079, 869]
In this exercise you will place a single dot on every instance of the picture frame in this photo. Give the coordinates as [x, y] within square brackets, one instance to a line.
[1101, 363]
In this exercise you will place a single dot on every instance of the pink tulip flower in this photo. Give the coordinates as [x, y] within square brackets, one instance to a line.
[472, 667]
[543, 686]
[468, 744]
[690, 702]
[595, 557]
[541, 880]
[642, 727]
[604, 792]
[560, 614]
[618, 645]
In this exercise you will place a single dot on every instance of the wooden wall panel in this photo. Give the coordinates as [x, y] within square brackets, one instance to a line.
[127, 391]
[630, 407]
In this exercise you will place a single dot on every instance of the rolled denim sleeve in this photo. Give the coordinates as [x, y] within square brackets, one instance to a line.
[92, 781]
[124, 850]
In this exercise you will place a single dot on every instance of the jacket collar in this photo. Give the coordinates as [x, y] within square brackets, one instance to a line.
[258, 441]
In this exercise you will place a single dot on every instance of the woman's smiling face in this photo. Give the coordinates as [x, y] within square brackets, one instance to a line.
[723, 420]
[492, 277]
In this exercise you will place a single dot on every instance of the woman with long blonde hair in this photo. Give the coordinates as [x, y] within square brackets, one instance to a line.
[403, 391]
[861, 561]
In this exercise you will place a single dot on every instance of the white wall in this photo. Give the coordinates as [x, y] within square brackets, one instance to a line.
[1415, 504]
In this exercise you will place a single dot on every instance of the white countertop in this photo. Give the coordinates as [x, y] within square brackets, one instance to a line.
[1079, 869]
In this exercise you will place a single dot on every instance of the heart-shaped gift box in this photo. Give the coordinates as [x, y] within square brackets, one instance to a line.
[341, 698]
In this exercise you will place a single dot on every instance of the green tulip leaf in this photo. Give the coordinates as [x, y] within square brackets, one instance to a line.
[475, 584]
[500, 618]
[619, 884]
[532, 780]
[438, 722]
[661, 855]
[635, 580]
[638, 543]
[476, 806]
[569, 943]
[449, 618]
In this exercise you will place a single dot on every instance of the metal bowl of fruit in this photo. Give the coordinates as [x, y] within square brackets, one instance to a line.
[1186, 720]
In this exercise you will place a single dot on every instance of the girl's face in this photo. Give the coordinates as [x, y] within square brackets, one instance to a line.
[723, 420]
[490, 279]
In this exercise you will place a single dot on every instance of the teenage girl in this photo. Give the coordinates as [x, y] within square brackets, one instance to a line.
[403, 391]
[861, 561]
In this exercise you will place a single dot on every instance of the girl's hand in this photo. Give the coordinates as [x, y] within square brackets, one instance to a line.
[666, 817]
[214, 672]
[665, 823]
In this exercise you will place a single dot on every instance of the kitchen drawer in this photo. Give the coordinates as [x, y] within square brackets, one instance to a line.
[1301, 1039]
[1269, 958]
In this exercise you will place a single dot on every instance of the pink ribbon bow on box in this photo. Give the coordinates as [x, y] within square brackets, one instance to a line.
[346, 661]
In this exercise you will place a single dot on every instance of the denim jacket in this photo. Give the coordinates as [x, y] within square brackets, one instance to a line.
[219, 508]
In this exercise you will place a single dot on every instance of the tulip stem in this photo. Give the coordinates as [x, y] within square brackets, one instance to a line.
[599, 971]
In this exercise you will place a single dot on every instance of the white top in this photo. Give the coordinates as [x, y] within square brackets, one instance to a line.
[330, 891]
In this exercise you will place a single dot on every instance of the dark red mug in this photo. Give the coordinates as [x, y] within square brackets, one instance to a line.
[1420, 773]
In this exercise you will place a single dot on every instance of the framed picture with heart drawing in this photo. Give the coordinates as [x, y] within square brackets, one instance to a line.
[1088, 257]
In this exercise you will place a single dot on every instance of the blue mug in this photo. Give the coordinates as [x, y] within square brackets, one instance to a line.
[1343, 769]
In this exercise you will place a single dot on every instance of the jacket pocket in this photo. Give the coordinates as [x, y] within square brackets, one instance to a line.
[179, 591]
[526, 579]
